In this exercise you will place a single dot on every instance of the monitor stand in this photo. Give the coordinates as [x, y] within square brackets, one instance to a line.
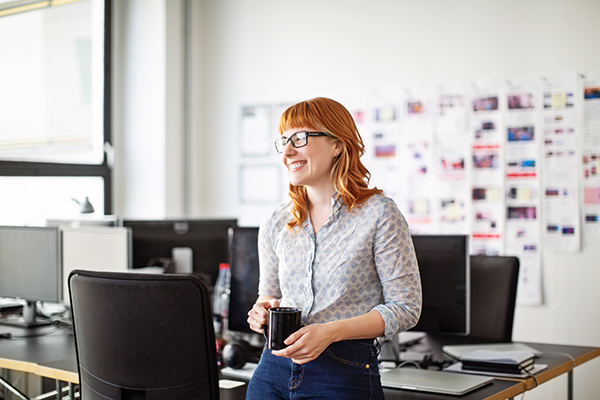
[29, 318]
[428, 353]
[435, 343]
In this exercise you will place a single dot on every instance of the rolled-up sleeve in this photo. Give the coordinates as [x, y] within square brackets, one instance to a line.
[396, 264]
[268, 261]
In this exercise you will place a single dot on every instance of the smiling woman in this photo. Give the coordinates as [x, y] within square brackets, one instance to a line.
[340, 252]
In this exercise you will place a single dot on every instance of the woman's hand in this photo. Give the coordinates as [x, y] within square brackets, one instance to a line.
[259, 314]
[307, 343]
[310, 341]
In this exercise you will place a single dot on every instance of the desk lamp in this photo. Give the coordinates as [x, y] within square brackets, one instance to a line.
[85, 207]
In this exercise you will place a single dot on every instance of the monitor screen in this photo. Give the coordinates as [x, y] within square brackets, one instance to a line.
[96, 248]
[243, 263]
[30, 268]
[30, 263]
[444, 268]
[202, 244]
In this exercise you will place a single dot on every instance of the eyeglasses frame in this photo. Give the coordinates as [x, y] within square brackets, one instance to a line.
[308, 134]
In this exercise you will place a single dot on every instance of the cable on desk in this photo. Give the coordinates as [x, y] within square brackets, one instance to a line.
[529, 374]
[45, 333]
[537, 383]
[566, 355]
[429, 361]
[413, 362]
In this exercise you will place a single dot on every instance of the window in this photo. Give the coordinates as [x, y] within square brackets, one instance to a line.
[54, 103]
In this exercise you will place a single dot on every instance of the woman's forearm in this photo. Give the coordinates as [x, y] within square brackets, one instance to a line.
[366, 326]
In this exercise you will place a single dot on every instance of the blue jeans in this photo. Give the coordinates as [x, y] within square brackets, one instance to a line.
[345, 370]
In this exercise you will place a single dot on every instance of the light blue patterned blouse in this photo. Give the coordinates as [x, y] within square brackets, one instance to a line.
[360, 261]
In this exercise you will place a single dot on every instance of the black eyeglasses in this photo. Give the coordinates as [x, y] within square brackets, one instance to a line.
[298, 139]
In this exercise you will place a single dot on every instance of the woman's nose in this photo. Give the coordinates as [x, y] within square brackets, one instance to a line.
[288, 149]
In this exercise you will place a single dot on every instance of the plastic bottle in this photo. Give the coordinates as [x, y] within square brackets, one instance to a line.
[221, 299]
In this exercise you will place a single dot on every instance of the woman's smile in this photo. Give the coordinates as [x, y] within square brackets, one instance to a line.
[295, 166]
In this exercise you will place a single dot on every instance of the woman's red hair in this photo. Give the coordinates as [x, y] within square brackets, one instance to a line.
[350, 176]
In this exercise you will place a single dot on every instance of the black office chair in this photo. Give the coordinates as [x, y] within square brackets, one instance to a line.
[141, 336]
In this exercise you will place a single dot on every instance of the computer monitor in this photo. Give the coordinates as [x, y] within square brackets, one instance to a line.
[95, 248]
[30, 269]
[445, 281]
[243, 263]
[201, 244]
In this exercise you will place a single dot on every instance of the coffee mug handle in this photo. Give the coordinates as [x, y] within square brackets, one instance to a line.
[265, 331]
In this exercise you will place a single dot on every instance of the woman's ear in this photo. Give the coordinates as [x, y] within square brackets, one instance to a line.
[338, 148]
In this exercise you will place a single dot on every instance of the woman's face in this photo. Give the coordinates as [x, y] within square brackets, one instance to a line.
[310, 165]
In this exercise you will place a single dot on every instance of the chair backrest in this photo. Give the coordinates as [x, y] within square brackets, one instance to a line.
[142, 336]
[493, 296]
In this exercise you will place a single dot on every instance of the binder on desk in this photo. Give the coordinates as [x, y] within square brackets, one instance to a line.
[498, 361]
[459, 351]
[457, 367]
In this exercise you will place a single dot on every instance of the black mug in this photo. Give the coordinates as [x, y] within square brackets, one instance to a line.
[283, 321]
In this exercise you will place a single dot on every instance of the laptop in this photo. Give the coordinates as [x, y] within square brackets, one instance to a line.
[432, 381]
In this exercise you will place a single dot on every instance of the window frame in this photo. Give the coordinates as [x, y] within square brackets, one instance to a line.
[104, 170]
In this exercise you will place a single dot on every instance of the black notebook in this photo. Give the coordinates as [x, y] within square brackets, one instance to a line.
[498, 361]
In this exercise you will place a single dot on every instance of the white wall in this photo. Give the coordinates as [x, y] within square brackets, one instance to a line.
[153, 158]
[252, 51]
[139, 111]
